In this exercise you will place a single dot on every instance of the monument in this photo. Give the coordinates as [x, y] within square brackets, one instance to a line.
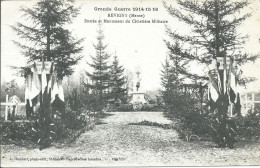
[138, 96]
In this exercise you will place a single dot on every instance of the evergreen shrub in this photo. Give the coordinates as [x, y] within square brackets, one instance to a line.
[62, 126]
[124, 107]
[248, 127]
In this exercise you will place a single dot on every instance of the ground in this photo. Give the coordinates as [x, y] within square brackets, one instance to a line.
[115, 143]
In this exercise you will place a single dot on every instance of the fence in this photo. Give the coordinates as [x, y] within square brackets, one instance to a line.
[249, 101]
[11, 106]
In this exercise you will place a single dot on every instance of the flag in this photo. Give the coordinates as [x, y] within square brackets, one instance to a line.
[49, 84]
[35, 84]
[233, 85]
[212, 86]
[28, 85]
[238, 105]
[220, 74]
[208, 92]
[213, 92]
[44, 78]
[225, 79]
[229, 75]
[61, 93]
[52, 74]
[57, 90]
[54, 90]
[212, 81]
[52, 80]
[213, 65]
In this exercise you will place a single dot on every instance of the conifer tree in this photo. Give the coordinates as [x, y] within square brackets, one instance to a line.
[45, 38]
[213, 35]
[171, 74]
[167, 76]
[129, 81]
[100, 75]
[117, 81]
[44, 35]
[171, 81]
[167, 81]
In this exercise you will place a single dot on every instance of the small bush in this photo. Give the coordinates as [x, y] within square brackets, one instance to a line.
[189, 118]
[124, 107]
[62, 126]
[74, 119]
[145, 107]
[248, 127]
[191, 121]
[149, 107]
[19, 131]
[148, 123]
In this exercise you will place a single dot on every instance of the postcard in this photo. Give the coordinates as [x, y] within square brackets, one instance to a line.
[130, 83]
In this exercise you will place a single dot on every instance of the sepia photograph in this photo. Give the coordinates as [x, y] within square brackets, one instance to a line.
[114, 83]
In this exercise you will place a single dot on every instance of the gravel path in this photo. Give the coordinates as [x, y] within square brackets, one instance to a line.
[115, 143]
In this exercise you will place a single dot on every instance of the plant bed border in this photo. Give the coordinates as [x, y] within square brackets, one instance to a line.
[56, 143]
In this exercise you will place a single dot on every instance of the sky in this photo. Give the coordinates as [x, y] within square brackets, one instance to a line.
[135, 44]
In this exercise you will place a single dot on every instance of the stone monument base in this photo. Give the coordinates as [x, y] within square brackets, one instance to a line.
[138, 97]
